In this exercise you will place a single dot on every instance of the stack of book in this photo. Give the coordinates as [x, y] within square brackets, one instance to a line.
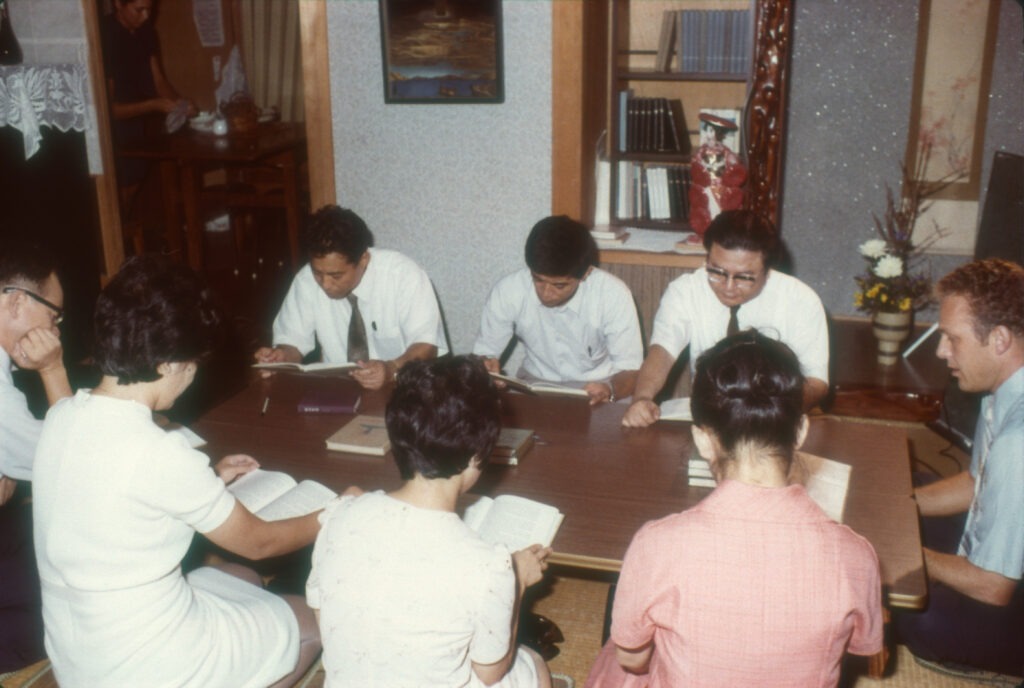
[653, 192]
[651, 125]
[714, 41]
[607, 236]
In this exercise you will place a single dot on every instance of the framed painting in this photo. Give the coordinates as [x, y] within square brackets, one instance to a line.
[442, 51]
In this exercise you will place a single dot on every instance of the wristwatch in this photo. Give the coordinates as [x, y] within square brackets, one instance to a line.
[611, 388]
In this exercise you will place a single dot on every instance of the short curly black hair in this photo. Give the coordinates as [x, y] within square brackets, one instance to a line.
[558, 246]
[153, 312]
[442, 413]
[333, 229]
[24, 262]
[748, 388]
[994, 288]
[745, 230]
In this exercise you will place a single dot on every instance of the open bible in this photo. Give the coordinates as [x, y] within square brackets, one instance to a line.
[273, 495]
[318, 366]
[516, 522]
[539, 387]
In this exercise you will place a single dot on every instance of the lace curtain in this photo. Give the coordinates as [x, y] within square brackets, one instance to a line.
[272, 54]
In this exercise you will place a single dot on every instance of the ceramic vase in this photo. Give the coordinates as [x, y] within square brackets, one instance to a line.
[891, 330]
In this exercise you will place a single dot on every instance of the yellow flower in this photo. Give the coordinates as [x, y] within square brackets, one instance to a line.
[858, 299]
[883, 298]
[873, 291]
[905, 304]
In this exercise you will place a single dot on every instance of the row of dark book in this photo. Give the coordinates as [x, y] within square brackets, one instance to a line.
[651, 125]
[653, 192]
[707, 41]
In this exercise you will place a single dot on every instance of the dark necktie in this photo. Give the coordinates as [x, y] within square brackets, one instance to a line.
[734, 323]
[357, 348]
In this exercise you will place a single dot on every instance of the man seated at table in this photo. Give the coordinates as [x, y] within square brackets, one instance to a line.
[577, 323]
[370, 306]
[736, 289]
[30, 310]
[973, 525]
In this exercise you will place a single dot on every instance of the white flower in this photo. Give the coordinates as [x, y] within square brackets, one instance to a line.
[873, 248]
[888, 266]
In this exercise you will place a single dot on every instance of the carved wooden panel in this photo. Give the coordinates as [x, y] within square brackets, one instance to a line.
[766, 114]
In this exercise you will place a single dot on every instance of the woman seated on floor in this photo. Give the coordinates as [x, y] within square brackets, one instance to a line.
[754, 586]
[117, 501]
[406, 593]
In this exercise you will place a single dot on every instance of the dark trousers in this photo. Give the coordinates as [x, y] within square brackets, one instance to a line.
[957, 628]
[21, 621]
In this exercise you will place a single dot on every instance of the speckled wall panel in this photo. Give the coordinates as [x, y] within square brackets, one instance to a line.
[456, 187]
[852, 78]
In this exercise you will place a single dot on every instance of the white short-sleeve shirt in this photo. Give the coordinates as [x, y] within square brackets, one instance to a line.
[409, 596]
[396, 301]
[786, 309]
[593, 336]
[19, 429]
[116, 502]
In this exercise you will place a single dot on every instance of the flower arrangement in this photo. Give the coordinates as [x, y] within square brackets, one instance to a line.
[893, 282]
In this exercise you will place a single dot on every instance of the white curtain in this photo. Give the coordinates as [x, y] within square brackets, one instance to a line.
[272, 54]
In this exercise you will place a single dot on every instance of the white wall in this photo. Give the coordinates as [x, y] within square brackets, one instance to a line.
[456, 187]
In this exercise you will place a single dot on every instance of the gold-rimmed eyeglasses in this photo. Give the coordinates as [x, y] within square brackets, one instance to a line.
[58, 316]
[743, 280]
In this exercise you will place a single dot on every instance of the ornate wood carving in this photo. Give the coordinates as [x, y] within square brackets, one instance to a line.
[766, 114]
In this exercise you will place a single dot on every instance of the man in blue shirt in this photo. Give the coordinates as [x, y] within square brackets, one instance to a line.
[975, 614]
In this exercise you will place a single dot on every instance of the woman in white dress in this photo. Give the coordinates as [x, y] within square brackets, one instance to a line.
[407, 594]
[117, 500]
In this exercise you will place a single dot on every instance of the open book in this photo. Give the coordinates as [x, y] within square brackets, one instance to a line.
[316, 367]
[676, 409]
[516, 522]
[273, 495]
[826, 481]
[539, 387]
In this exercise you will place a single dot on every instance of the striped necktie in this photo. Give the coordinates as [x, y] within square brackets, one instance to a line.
[357, 347]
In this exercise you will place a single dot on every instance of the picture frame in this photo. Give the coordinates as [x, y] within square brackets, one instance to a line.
[442, 51]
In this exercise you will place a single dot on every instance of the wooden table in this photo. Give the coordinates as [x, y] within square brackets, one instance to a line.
[607, 480]
[186, 154]
[910, 390]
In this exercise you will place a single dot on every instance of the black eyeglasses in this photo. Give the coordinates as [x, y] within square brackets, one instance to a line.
[720, 276]
[58, 318]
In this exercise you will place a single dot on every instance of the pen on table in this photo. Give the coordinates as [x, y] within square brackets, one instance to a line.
[266, 403]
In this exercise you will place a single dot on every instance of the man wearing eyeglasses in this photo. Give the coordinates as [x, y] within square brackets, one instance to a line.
[737, 289]
[30, 310]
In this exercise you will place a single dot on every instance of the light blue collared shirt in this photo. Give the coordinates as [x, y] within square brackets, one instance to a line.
[993, 537]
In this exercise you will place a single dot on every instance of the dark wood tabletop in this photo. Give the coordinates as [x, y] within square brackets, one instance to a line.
[607, 480]
[196, 146]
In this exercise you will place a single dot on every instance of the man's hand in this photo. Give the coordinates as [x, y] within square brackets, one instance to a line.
[599, 392]
[530, 564]
[7, 486]
[373, 375]
[40, 350]
[266, 354]
[493, 365]
[641, 413]
[235, 465]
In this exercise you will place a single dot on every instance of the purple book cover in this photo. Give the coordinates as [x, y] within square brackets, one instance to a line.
[340, 400]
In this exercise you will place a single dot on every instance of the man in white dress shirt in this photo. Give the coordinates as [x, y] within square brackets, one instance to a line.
[736, 289]
[577, 323]
[31, 301]
[397, 316]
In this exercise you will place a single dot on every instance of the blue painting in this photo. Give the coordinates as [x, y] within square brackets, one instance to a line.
[442, 51]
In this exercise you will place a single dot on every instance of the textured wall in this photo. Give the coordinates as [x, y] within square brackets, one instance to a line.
[849, 109]
[456, 187]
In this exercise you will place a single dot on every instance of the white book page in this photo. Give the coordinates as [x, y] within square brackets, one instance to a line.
[475, 513]
[518, 522]
[258, 488]
[826, 481]
[305, 498]
[554, 388]
[676, 409]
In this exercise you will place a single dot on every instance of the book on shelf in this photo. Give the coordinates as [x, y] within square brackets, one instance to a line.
[512, 445]
[539, 387]
[602, 192]
[273, 495]
[825, 480]
[691, 244]
[318, 366]
[342, 399]
[361, 435]
[663, 59]
[516, 522]
[714, 41]
[613, 243]
[651, 125]
[606, 231]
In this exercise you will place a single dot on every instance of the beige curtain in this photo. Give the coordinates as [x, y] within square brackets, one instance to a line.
[272, 54]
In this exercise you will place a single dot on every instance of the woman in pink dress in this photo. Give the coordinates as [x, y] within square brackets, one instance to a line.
[755, 586]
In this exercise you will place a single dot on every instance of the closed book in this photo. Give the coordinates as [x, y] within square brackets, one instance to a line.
[361, 435]
[512, 445]
[341, 400]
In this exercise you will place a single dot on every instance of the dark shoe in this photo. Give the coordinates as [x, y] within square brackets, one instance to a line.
[540, 634]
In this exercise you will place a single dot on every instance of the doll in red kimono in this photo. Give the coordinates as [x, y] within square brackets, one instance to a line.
[716, 174]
